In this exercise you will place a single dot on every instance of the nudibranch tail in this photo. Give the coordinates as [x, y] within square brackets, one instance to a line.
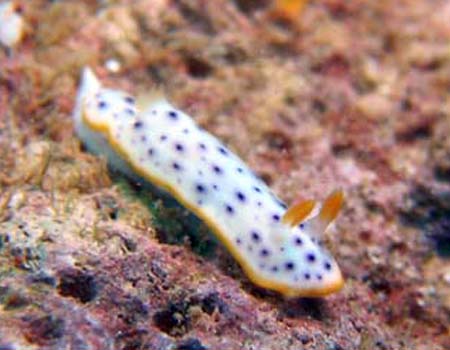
[161, 144]
[298, 212]
[89, 83]
[89, 86]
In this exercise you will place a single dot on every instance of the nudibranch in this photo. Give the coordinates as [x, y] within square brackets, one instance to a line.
[278, 248]
[11, 24]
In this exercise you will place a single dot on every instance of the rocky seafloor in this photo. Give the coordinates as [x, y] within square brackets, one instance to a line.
[347, 94]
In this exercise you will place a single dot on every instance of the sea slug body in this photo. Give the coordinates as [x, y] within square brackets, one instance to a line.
[278, 248]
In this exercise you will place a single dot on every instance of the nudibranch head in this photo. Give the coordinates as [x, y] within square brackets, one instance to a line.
[303, 266]
[278, 248]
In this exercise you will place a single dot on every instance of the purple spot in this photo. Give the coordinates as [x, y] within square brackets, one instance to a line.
[202, 146]
[310, 257]
[129, 111]
[200, 188]
[281, 204]
[240, 196]
[240, 170]
[289, 266]
[238, 241]
[173, 115]
[102, 105]
[327, 266]
[276, 217]
[179, 147]
[176, 166]
[257, 189]
[215, 187]
[150, 151]
[255, 236]
[319, 277]
[138, 124]
[222, 150]
[264, 252]
[274, 268]
[143, 138]
[229, 209]
[185, 131]
[217, 169]
[163, 137]
[301, 226]
[307, 276]
[129, 99]
[298, 241]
